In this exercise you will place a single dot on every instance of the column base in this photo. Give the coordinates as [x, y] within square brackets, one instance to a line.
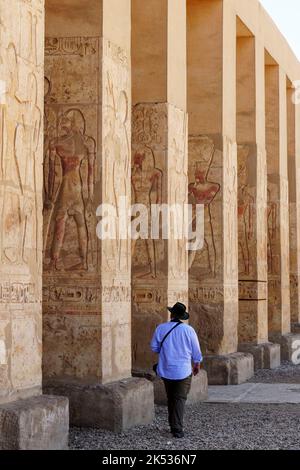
[229, 369]
[287, 346]
[115, 406]
[36, 423]
[198, 392]
[296, 328]
[265, 355]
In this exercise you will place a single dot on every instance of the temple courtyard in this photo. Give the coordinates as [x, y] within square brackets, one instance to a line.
[263, 414]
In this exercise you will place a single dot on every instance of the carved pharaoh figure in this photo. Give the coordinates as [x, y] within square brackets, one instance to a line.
[245, 212]
[203, 191]
[72, 147]
[147, 190]
[13, 137]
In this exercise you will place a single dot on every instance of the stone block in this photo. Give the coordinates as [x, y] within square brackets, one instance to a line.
[198, 392]
[288, 345]
[36, 423]
[229, 369]
[265, 355]
[115, 406]
[296, 328]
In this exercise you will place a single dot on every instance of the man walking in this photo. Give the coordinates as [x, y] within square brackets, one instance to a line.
[178, 347]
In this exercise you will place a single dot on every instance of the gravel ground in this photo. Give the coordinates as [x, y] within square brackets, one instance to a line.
[208, 426]
[212, 426]
[287, 373]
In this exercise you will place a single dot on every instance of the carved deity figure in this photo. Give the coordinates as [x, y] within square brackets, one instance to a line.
[203, 191]
[178, 196]
[245, 212]
[12, 138]
[147, 189]
[272, 214]
[72, 147]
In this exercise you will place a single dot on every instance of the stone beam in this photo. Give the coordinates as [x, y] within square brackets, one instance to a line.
[213, 276]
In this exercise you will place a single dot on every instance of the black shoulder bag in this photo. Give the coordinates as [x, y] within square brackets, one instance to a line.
[163, 340]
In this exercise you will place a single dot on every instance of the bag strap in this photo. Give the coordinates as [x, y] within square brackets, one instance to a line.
[170, 331]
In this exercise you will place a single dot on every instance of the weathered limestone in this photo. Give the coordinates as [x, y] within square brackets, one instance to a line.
[278, 208]
[116, 406]
[159, 162]
[36, 423]
[27, 419]
[198, 392]
[293, 205]
[87, 155]
[229, 369]
[213, 278]
[252, 202]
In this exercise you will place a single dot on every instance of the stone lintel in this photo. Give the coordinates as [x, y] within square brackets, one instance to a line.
[265, 355]
[37, 423]
[116, 406]
[229, 369]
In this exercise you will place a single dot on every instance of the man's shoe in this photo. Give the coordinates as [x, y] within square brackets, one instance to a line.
[178, 435]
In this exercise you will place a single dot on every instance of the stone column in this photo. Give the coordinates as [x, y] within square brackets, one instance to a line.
[252, 202]
[28, 420]
[87, 281]
[293, 207]
[278, 209]
[159, 162]
[213, 277]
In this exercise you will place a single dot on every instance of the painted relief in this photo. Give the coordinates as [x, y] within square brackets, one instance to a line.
[116, 148]
[20, 193]
[246, 213]
[71, 137]
[204, 188]
[149, 150]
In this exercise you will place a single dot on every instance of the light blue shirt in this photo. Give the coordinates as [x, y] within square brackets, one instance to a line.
[179, 350]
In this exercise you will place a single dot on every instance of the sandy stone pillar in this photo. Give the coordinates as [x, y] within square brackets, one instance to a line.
[293, 206]
[278, 208]
[252, 202]
[87, 279]
[213, 277]
[28, 420]
[159, 162]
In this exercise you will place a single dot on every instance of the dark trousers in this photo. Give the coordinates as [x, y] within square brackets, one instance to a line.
[177, 392]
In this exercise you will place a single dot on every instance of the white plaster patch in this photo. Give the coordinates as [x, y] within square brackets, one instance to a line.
[3, 360]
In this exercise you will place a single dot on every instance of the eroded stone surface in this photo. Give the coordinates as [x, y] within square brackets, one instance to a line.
[116, 406]
[39, 423]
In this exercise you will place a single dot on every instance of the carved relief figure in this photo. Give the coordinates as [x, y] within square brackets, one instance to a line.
[72, 147]
[147, 190]
[245, 212]
[273, 221]
[204, 191]
[178, 192]
[13, 130]
[116, 163]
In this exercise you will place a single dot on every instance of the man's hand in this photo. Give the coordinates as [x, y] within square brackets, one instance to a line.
[196, 369]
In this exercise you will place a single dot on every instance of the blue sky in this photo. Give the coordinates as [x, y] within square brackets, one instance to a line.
[286, 14]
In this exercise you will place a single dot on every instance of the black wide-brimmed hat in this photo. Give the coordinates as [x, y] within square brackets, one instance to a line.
[179, 311]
